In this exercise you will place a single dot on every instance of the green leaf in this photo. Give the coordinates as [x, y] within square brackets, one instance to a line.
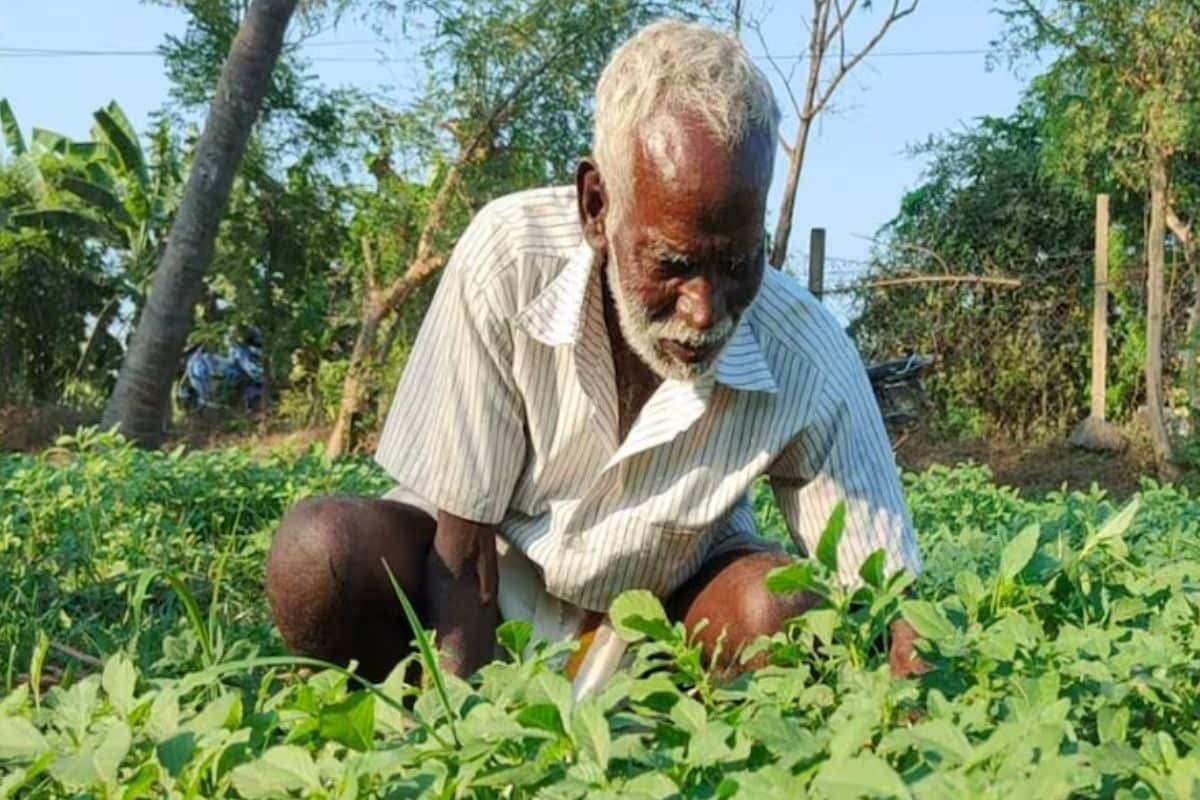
[827, 546]
[514, 636]
[865, 775]
[1017, 553]
[822, 622]
[164, 716]
[1114, 527]
[224, 712]
[689, 715]
[541, 716]
[11, 130]
[98, 760]
[650, 785]
[119, 682]
[771, 781]
[60, 219]
[350, 722]
[927, 619]
[969, 588]
[590, 731]
[20, 740]
[100, 198]
[790, 578]
[490, 724]
[938, 736]
[50, 141]
[556, 689]
[176, 751]
[636, 614]
[282, 769]
[1112, 724]
[872, 572]
[121, 135]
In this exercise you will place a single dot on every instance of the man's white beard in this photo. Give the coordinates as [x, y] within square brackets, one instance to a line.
[642, 333]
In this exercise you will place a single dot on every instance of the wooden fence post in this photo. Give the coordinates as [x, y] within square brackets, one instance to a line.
[816, 262]
[1093, 433]
[1100, 309]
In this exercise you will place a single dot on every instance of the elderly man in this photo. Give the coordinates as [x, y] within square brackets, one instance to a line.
[604, 371]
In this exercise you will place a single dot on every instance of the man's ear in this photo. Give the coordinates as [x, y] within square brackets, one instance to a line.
[592, 201]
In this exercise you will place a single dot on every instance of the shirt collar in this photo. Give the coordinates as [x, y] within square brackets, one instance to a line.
[555, 318]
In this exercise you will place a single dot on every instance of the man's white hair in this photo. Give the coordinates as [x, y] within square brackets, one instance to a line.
[671, 67]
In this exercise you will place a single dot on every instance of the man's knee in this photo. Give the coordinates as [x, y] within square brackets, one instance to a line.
[735, 604]
[308, 577]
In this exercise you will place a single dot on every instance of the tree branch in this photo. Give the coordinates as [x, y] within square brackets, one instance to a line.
[787, 83]
[369, 270]
[1054, 33]
[895, 15]
[911, 280]
[1179, 229]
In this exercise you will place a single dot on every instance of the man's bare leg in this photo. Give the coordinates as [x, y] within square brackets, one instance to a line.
[328, 592]
[730, 592]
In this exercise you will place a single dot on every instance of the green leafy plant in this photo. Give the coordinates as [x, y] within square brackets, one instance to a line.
[1061, 634]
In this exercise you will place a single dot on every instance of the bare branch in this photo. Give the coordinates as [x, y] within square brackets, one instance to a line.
[79, 655]
[913, 280]
[787, 83]
[923, 250]
[895, 15]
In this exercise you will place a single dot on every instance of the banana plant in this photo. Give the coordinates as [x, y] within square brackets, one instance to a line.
[104, 189]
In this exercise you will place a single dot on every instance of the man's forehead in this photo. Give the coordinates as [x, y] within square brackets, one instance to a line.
[677, 153]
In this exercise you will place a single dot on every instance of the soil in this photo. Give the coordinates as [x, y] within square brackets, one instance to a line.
[26, 429]
[1034, 468]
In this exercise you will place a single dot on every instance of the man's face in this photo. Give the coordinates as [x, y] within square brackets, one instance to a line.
[686, 257]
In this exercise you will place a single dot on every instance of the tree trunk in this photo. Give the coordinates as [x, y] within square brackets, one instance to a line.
[364, 353]
[1154, 316]
[354, 382]
[379, 303]
[140, 401]
[783, 227]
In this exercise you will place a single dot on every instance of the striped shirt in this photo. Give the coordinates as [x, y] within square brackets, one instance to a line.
[506, 414]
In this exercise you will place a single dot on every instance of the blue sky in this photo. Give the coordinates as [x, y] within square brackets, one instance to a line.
[855, 172]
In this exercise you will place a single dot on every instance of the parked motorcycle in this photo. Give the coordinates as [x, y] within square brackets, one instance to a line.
[899, 389]
[211, 380]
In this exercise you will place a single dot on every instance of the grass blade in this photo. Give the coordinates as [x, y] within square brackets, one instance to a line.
[192, 609]
[428, 657]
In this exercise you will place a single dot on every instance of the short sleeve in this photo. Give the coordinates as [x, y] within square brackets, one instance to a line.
[455, 433]
[844, 455]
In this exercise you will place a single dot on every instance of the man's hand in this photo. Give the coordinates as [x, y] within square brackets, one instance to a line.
[460, 593]
[902, 658]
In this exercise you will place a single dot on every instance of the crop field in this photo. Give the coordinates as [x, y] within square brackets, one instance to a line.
[138, 659]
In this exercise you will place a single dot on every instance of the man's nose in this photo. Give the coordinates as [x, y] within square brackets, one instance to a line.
[700, 304]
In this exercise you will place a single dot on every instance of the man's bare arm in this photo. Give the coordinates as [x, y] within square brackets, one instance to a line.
[461, 580]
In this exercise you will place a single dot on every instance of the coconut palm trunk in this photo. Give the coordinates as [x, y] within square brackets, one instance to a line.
[141, 399]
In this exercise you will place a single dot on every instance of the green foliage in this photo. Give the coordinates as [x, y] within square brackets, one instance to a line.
[1061, 632]
[1122, 88]
[95, 534]
[1007, 359]
[1014, 197]
[81, 229]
